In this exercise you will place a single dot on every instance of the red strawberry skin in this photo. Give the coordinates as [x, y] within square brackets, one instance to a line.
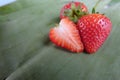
[69, 5]
[66, 35]
[94, 30]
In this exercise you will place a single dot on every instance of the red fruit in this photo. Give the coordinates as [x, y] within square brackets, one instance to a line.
[66, 35]
[94, 30]
[73, 10]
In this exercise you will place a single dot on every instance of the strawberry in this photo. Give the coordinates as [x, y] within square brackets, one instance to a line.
[73, 10]
[66, 35]
[94, 30]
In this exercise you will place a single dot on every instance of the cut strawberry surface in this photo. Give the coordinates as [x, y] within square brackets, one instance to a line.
[66, 35]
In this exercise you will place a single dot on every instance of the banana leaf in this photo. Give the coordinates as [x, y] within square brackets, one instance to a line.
[26, 53]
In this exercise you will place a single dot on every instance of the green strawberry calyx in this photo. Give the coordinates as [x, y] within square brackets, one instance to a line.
[75, 12]
[94, 8]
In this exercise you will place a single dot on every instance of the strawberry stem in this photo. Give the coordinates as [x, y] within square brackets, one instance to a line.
[93, 10]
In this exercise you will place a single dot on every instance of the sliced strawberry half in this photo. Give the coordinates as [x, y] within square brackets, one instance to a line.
[66, 35]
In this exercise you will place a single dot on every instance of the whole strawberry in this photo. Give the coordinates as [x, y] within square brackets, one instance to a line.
[73, 10]
[94, 30]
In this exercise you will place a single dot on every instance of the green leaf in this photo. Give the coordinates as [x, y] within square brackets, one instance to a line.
[26, 52]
